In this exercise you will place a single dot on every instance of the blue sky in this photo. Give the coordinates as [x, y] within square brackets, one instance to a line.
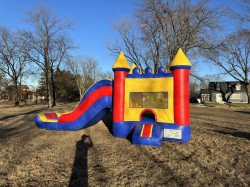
[93, 22]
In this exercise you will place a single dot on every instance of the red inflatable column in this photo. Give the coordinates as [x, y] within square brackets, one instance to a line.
[180, 67]
[118, 100]
[181, 96]
[121, 69]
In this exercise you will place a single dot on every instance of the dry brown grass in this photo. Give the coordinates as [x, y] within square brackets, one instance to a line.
[218, 153]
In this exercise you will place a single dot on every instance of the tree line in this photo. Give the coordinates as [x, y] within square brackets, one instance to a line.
[150, 38]
[157, 28]
[43, 48]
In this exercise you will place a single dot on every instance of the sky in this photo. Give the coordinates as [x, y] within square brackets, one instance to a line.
[93, 22]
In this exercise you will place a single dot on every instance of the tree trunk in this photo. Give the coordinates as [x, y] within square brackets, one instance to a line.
[79, 88]
[53, 88]
[36, 102]
[80, 94]
[247, 92]
[48, 75]
[48, 86]
[17, 99]
[156, 66]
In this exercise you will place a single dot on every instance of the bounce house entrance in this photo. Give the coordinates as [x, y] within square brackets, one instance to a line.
[148, 115]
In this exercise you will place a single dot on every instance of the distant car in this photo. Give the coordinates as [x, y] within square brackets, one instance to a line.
[194, 100]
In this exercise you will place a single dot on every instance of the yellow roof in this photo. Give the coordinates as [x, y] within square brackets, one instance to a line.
[131, 69]
[121, 62]
[180, 59]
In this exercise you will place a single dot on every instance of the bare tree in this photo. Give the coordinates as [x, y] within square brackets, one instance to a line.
[13, 59]
[161, 27]
[106, 75]
[232, 56]
[48, 43]
[152, 38]
[86, 70]
[242, 16]
[131, 43]
[3, 83]
[2, 79]
[58, 52]
[205, 79]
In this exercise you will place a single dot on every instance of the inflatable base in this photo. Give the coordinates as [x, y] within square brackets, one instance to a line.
[147, 134]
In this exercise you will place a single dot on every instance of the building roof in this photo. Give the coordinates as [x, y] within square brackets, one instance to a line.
[180, 59]
[205, 91]
[22, 87]
[224, 86]
[121, 62]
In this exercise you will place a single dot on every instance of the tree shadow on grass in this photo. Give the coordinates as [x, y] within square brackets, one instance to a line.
[79, 174]
[243, 112]
[237, 134]
[22, 127]
[8, 132]
[25, 113]
[170, 174]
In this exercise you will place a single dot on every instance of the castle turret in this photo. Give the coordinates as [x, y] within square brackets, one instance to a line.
[180, 67]
[131, 69]
[120, 69]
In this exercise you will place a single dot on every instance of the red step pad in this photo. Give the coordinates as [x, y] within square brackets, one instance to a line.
[147, 134]
[146, 131]
[51, 115]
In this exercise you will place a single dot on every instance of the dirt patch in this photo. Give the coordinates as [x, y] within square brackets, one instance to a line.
[218, 153]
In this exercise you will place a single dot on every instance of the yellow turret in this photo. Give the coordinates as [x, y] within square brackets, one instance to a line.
[131, 69]
[121, 63]
[180, 60]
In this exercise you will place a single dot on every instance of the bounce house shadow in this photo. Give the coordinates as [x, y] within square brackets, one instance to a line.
[108, 121]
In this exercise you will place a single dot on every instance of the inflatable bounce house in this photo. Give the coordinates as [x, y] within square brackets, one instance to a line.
[149, 107]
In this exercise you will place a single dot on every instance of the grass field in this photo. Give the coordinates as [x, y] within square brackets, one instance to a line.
[217, 155]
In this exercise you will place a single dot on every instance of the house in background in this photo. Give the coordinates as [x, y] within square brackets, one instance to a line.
[221, 92]
[25, 95]
[205, 96]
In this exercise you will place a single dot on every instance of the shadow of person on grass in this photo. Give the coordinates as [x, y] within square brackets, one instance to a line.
[79, 174]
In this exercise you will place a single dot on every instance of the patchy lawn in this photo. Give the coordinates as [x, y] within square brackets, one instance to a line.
[218, 153]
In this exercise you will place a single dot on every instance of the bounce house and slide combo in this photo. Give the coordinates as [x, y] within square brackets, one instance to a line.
[150, 107]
